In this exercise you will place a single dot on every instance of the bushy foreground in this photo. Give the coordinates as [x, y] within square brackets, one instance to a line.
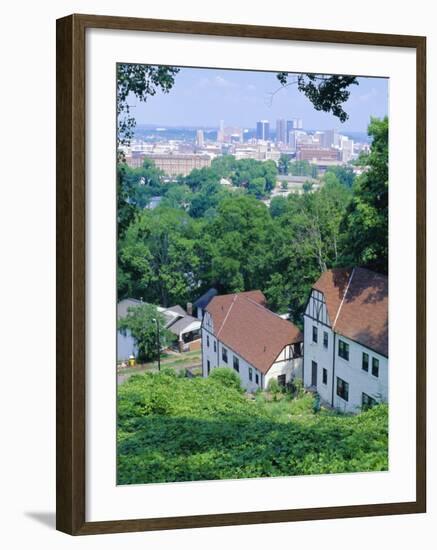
[180, 429]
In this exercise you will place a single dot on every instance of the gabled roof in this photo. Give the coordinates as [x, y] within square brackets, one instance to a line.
[178, 310]
[184, 322]
[124, 305]
[357, 303]
[243, 323]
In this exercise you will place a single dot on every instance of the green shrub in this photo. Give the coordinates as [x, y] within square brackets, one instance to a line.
[274, 388]
[182, 429]
[167, 371]
[227, 377]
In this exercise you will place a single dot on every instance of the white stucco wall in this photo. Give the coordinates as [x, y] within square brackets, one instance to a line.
[321, 355]
[291, 368]
[125, 346]
[359, 380]
[350, 371]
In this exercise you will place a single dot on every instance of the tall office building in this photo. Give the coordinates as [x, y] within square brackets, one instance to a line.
[297, 123]
[347, 149]
[330, 138]
[288, 128]
[281, 131]
[262, 130]
[294, 137]
[200, 140]
[221, 131]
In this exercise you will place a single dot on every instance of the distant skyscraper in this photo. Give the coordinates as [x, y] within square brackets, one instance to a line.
[347, 149]
[288, 128]
[262, 130]
[200, 140]
[297, 123]
[294, 136]
[281, 131]
[221, 132]
[330, 138]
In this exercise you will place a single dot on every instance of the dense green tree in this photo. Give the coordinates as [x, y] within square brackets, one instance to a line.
[178, 195]
[283, 163]
[224, 166]
[136, 186]
[365, 226]
[142, 82]
[141, 321]
[300, 168]
[257, 187]
[278, 206]
[344, 174]
[235, 241]
[158, 257]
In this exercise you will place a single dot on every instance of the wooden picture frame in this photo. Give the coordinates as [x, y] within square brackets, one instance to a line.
[71, 253]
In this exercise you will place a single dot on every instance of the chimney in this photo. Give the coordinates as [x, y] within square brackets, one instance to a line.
[189, 308]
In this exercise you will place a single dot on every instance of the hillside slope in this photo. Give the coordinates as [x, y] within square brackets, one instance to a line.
[179, 429]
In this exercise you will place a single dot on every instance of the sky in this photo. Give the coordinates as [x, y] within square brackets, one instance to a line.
[203, 97]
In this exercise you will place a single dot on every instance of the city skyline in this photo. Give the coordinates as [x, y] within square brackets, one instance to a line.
[242, 98]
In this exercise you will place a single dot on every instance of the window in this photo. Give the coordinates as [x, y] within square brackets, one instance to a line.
[256, 379]
[315, 335]
[325, 376]
[342, 389]
[207, 340]
[325, 339]
[343, 350]
[281, 380]
[215, 345]
[208, 366]
[365, 363]
[375, 367]
[225, 355]
[236, 364]
[367, 402]
[250, 374]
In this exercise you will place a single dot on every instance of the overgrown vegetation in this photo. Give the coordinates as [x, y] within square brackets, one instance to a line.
[178, 429]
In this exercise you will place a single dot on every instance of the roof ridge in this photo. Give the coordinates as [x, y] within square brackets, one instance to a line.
[227, 314]
[342, 300]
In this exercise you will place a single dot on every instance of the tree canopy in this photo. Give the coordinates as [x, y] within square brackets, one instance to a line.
[326, 92]
[142, 321]
[365, 226]
[141, 81]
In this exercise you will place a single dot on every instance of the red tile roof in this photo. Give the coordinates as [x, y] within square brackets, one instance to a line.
[243, 323]
[357, 303]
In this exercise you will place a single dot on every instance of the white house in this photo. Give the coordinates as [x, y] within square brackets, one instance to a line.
[177, 320]
[346, 338]
[239, 332]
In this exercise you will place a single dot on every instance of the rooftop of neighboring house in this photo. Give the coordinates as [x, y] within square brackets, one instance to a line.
[176, 318]
[206, 297]
[357, 303]
[124, 305]
[243, 323]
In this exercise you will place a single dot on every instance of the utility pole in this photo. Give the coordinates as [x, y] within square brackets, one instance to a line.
[158, 343]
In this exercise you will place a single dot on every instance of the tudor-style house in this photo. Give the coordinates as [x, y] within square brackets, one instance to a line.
[239, 332]
[346, 338]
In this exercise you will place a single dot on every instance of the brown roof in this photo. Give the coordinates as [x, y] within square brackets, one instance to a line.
[242, 322]
[357, 303]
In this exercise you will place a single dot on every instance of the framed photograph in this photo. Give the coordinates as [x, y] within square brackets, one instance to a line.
[240, 274]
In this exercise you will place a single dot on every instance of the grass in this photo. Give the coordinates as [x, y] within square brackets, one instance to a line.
[178, 429]
[170, 360]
